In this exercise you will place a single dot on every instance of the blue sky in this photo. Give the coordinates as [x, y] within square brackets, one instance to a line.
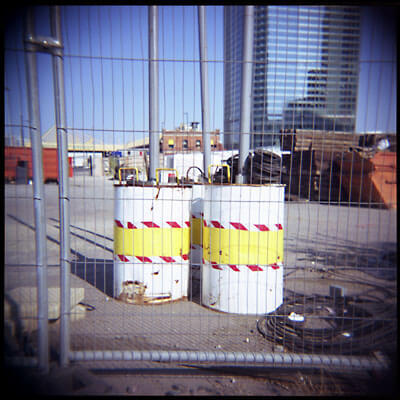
[377, 96]
[106, 72]
[107, 88]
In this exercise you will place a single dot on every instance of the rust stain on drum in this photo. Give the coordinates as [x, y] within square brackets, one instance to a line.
[133, 292]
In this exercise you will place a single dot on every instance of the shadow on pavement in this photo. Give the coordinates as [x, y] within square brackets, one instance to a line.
[96, 271]
[378, 259]
[99, 272]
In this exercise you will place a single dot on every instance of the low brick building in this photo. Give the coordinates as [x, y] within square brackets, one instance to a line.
[187, 138]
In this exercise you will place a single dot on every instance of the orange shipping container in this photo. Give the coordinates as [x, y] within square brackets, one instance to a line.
[371, 179]
[13, 154]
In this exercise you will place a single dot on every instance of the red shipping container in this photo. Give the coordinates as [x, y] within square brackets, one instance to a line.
[13, 154]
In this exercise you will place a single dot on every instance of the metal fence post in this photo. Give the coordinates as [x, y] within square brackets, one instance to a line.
[38, 194]
[204, 87]
[63, 168]
[154, 139]
[245, 98]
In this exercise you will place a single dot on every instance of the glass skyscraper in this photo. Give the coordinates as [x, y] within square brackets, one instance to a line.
[305, 70]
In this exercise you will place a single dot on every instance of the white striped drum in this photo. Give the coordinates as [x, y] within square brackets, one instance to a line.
[243, 248]
[151, 243]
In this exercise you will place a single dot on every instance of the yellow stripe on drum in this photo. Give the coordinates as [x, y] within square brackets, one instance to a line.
[234, 246]
[196, 225]
[151, 241]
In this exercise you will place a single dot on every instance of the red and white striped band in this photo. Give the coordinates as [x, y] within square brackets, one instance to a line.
[237, 268]
[150, 224]
[152, 259]
[242, 227]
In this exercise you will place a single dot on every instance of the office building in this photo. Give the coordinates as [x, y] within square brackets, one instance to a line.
[305, 70]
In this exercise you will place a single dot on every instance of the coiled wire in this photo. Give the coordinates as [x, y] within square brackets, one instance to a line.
[356, 326]
[261, 167]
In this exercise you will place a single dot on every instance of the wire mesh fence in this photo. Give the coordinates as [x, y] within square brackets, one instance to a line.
[170, 257]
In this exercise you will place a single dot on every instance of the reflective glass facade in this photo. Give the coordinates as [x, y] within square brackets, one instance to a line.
[305, 70]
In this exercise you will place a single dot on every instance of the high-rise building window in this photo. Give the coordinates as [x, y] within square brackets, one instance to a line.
[300, 56]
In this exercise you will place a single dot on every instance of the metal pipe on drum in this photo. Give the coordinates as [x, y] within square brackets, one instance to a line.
[38, 195]
[63, 169]
[204, 87]
[154, 139]
[245, 99]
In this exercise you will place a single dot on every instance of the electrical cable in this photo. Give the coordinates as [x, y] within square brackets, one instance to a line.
[221, 174]
[201, 172]
[353, 329]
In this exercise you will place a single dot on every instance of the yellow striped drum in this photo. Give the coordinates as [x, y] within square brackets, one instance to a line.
[243, 248]
[151, 243]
